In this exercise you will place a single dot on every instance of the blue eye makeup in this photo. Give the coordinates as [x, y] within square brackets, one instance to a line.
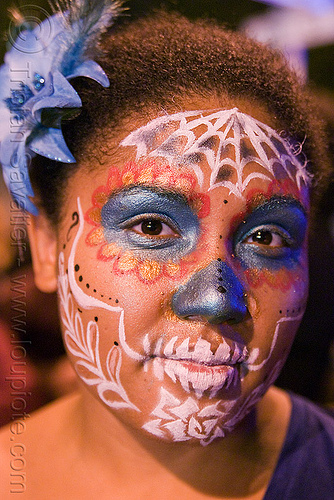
[153, 223]
[272, 235]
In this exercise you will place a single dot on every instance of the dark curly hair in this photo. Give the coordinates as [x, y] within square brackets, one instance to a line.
[151, 60]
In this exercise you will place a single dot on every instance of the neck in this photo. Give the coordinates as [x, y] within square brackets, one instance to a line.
[239, 464]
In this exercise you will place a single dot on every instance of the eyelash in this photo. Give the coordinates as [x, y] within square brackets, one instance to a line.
[167, 226]
[275, 234]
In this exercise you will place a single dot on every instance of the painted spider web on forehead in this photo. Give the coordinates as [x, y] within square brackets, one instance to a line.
[228, 139]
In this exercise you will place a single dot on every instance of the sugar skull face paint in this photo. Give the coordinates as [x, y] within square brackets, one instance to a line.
[171, 291]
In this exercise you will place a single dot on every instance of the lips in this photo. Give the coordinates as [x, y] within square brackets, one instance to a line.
[199, 369]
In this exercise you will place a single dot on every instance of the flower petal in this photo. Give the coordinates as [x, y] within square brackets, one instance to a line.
[96, 237]
[149, 270]
[92, 70]
[62, 95]
[51, 144]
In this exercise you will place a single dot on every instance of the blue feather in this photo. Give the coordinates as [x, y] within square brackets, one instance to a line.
[61, 51]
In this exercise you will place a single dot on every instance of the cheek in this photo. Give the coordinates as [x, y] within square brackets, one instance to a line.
[277, 312]
[282, 280]
[144, 302]
[127, 282]
[278, 295]
[286, 280]
[91, 330]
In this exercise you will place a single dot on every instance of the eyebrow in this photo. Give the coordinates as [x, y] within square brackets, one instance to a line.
[260, 200]
[174, 193]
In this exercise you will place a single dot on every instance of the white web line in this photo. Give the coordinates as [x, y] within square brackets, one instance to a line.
[230, 127]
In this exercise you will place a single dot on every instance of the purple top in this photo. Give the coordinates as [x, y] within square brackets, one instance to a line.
[305, 469]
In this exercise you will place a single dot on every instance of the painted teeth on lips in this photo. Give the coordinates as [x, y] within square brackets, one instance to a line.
[202, 352]
[199, 369]
[197, 377]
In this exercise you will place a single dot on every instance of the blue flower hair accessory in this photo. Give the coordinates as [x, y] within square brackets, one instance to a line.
[34, 79]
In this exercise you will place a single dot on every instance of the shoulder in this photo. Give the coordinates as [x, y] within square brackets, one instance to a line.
[29, 446]
[305, 468]
[310, 437]
[317, 422]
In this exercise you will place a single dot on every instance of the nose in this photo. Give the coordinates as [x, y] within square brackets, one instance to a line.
[213, 293]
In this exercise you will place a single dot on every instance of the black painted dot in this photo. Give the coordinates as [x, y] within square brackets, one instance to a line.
[96, 318]
[115, 343]
[221, 289]
[87, 285]
[76, 267]
[66, 271]
[94, 290]
[219, 259]
[220, 278]
[220, 236]
[79, 310]
[116, 301]
[102, 295]
[225, 201]
[80, 278]
[64, 246]
[280, 312]
[110, 298]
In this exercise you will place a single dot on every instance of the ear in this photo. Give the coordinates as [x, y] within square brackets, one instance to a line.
[43, 246]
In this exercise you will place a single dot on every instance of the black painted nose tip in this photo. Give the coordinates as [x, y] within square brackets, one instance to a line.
[213, 293]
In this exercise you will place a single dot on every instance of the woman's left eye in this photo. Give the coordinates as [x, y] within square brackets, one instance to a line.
[152, 227]
[267, 237]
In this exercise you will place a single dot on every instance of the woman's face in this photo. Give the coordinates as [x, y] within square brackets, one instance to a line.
[183, 271]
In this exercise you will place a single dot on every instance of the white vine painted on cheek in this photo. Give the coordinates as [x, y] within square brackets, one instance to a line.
[222, 144]
[83, 340]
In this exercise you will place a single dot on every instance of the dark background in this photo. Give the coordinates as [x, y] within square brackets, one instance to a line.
[229, 12]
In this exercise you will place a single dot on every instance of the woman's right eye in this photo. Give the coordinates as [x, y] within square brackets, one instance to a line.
[146, 219]
[153, 227]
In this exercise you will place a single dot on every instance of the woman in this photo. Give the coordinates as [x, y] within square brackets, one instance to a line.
[178, 244]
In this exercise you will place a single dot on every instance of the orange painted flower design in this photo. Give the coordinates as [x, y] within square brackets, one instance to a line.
[281, 279]
[150, 172]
